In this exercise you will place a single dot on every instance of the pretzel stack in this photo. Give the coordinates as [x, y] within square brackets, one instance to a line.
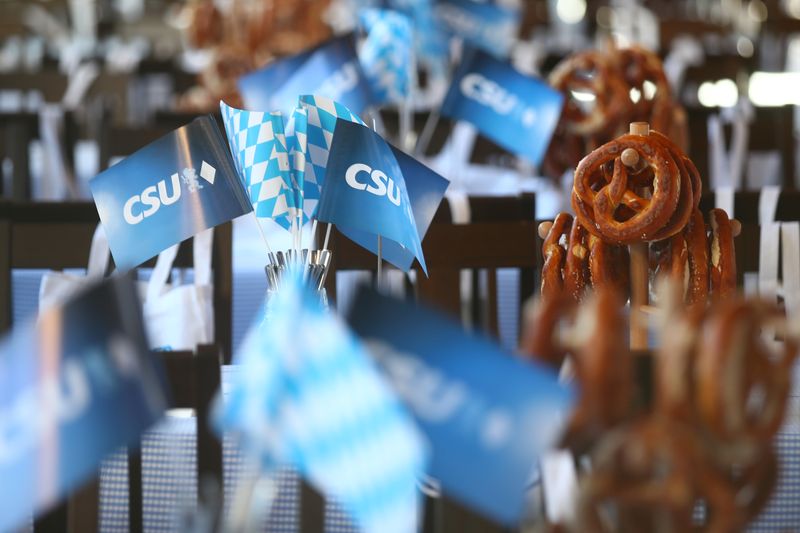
[721, 385]
[639, 189]
[604, 92]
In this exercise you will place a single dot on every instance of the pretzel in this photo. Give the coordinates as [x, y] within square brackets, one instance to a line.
[576, 268]
[723, 256]
[643, 72]
[753, 483]
[603, 369]
[735, 365]
[205, 24]
[608, 266]
[652, 473]
[610, 209]
[543, 323]
[590, 72]
[685, 260]
[554, 256]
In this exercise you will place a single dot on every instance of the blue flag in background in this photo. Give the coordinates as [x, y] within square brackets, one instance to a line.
[75, 386]
[170, 190]
[331, 70]
[365, 190]
[306, 393]
[487, 414]
[426, 189]
[481, 24]
[518, 112]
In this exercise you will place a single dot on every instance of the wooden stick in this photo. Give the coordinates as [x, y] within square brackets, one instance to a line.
[639, 271]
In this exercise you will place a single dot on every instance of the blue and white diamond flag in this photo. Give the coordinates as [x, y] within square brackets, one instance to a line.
[297, 139]
[322, 114]
[259, 148]
[385, 55]
[308, 394]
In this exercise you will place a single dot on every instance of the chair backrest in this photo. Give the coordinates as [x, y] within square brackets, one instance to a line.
[43, 235]
[501, 234]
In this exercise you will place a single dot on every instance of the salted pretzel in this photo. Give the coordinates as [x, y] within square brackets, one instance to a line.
[722, 255]
[737, 365]
[554, 255]
[650, 474]
[590, 72]
[685, 260]
[611, 209]
[576, 268]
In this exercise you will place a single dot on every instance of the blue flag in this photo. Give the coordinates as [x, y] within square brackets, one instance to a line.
[487, 414]
[308, 394]
[365, 190]
[331, 70]
[481, 24]
[74, 387]
[426, 189]
[518, 112]
[168, 191]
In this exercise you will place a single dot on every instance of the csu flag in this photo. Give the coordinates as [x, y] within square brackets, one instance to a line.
[309, 394]
[385, 54]
[487, 415]
[518, 112]
[480, 23]
[365, 191]
[173, 188]
[331, 70]
[74, 386]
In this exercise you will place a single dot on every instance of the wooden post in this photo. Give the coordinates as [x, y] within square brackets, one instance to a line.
[639, 266]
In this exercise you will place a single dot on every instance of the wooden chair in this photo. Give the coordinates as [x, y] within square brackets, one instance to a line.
[58, 236]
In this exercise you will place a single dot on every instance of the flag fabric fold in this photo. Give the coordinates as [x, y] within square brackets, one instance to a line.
[308, 394]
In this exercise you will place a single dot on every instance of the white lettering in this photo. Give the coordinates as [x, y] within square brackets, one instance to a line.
[382, 185]
[153, 197]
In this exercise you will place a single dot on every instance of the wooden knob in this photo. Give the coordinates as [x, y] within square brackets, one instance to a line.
[736, 227]
[640, 128]
[544, 228]
[630, 157]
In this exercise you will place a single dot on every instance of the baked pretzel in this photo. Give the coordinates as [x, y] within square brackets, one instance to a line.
[723, 255]
[609, 266]
[614, 211]
[651, 474]
[603, 370]
[576, 268]
[685, 260]
[205, 24]
[545, 319]
[644, 75]
[736, 365]
[753, 483]
[554, 255]
[590, 72]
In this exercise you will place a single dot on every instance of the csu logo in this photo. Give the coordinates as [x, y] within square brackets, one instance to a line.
[140, 206]
[489, 93]
[379, 183]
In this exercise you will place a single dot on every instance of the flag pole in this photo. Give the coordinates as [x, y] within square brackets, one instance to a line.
[327, 236]
[380, 260]
[261, 231]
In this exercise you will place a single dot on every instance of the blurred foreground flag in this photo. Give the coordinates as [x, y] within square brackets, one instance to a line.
[481, 24]
[331, 70]
[518, 112]
[366, 196]
[487, 415]
[170, 190]
[385, 54]
[308, 394]
[74, 387]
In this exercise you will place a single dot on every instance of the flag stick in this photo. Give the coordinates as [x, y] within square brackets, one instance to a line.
[380, 260]
[327, 236]
[312, 245]
[261, 231]
[427, 133]
[406, 115]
